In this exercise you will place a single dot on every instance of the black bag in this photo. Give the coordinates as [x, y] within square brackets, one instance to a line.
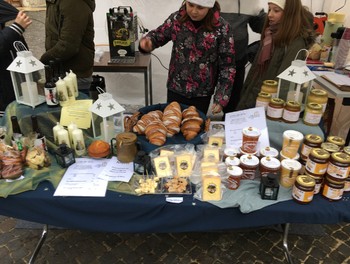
[97, 81]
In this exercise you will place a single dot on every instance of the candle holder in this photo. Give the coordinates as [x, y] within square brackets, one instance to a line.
[297, 76]
[64, 156]
[107, 116]
[26, 72]
[269, 187]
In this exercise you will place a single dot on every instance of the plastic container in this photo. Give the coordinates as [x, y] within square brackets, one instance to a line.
[249, 165]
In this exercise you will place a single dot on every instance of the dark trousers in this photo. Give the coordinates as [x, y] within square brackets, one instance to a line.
[201, 103]
[236, 88]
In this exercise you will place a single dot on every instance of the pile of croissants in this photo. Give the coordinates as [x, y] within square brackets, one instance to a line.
[157, 125]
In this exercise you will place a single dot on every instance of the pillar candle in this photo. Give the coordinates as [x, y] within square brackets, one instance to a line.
[55, 129]
[70, 128]
[62, 92]
[75, 82]
[70, 88]
[30, 92]
[78, 142]
[63, 138]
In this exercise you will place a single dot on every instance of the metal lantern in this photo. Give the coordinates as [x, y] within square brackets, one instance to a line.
[299, 76]
[26, 72]
[107, 117]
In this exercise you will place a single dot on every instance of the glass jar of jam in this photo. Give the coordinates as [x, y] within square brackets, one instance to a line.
[303, 189]
[275, 109]
[234, 177]
[318, 182]
[339, 165]
[318, 96]
[269, 165]
[268, 152]
[333, 188]
[339, 141]
[317, 161]
[312, 114]
[347, 185]
[346, 150]
[270, 86]
[249, 165]
[330, 147]
[310, 141]
[263, 100]
[291, 112]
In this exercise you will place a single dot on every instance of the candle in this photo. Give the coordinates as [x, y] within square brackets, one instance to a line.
[62, 137]
[62, 92]
[75, 82]
[70, 88]
[107, 131]
[30, 92]
[78, 142]
[70, 128]
[55, 129]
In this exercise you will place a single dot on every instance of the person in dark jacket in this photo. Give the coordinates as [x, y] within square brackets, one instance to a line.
[241, 15]
[8, 35]
[287, 30]
[203, 57]
[69, 37]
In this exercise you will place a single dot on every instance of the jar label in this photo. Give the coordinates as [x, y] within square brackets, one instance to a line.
[305, 150]
[332, 193]
[248, 174]
[337, 171]
[311, 118]
[317, 188]
[316, 168]
[262, 104]
[347, 186]
[301, 195]
[290, 115]
[274, 112]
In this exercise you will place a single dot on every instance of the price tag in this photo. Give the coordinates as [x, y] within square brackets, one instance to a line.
[175, 200]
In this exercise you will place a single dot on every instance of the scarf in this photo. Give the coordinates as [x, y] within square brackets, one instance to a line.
[267, 46]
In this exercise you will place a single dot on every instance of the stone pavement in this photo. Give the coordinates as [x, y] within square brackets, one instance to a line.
[307, 243]
[329, 244]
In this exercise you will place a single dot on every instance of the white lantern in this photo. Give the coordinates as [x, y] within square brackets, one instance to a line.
[107, 117]
[299, 76]
[26, 72]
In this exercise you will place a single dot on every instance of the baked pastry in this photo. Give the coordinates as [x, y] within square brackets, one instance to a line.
[191, 123]
[172, 117]
[156, 133]
[12, 165]
[35, 158]
[99, 149]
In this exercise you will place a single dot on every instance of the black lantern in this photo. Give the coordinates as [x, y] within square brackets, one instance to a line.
[269, 187]
[64, 156]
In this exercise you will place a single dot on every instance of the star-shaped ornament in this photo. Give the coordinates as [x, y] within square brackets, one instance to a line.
[33, 63]
[291, 73]
[18, 63]
[99, 106]
[111, 106]
[306, 73]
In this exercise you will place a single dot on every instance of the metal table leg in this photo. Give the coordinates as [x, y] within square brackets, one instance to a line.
[40, 243]
[285, 243]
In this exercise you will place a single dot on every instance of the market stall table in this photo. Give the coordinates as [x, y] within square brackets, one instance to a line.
[151, 213]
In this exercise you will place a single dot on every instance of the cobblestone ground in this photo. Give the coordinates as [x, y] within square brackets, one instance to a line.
[331, 244]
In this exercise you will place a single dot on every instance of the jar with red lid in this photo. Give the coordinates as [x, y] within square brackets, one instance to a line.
[249, 165]
[333, 188]
[275, 109]
[269, 165]
[339, 165]
[291, 112]
[303, 189]
[317, 161]
[310, 141]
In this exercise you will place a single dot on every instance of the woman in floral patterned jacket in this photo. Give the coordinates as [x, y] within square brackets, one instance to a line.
[203, 58]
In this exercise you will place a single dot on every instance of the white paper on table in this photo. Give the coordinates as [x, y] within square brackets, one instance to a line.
[82, 179]
[117, 171]
[236, 121]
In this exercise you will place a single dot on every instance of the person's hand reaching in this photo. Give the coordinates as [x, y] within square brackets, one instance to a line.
[146, 44]
[23, 20]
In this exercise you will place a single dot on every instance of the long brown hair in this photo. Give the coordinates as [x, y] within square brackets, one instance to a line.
[208, 22]
[296, 21]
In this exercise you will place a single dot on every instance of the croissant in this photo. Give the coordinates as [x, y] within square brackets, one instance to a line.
[146, 119]
[156, 133]
[191, 123]
[172, 117]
